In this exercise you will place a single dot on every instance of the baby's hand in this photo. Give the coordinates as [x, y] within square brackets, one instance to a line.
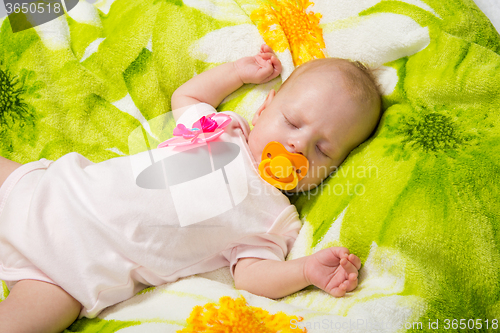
[260, 68]
[334, 270]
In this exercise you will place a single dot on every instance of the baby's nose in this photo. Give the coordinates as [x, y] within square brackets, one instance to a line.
[298, 147]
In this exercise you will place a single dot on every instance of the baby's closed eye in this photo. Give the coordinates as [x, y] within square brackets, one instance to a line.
[322, 152]
[288, 122]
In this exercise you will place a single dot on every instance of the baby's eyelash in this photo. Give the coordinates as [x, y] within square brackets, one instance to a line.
[288, 121]
[321, 152]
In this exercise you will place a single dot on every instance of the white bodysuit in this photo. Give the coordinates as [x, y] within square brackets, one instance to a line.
[104, 231]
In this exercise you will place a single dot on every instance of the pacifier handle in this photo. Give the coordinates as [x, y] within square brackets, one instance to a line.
[281, 168]
[263, 170]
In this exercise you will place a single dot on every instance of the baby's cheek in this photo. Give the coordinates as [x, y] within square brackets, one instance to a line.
[254, 149]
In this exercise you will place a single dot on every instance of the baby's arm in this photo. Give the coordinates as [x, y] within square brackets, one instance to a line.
[333, 269]
[215, 84]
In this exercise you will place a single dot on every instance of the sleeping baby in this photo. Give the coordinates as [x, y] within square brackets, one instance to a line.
[77, 236]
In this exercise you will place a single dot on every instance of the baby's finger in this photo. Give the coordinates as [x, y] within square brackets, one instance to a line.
[339, 291]
[275, 72]
[340, 252]
[355, 260]
[261, 61]
[266, 72]
[274, 60]
[266, 56]
[266, 49]
[351, 283]
[348, 267]
[276, 64]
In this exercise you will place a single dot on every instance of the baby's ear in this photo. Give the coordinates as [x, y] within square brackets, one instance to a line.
[264, 105]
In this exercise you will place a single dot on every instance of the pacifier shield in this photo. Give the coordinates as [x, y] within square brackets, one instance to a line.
[281, 168]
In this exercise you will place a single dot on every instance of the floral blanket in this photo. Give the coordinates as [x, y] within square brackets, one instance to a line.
[418, 202]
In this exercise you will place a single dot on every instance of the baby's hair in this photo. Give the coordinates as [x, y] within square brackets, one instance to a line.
[368, 89]
[369, 74]
[360, 82]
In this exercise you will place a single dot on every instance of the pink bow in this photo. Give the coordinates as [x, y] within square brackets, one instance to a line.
[213, 123]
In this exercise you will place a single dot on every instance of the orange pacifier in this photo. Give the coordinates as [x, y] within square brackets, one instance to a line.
[281, 168]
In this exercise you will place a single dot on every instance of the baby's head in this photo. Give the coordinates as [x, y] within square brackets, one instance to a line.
[324, 110]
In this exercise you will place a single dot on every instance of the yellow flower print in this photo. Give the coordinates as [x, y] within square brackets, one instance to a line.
[286, 24]
[234, 315]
